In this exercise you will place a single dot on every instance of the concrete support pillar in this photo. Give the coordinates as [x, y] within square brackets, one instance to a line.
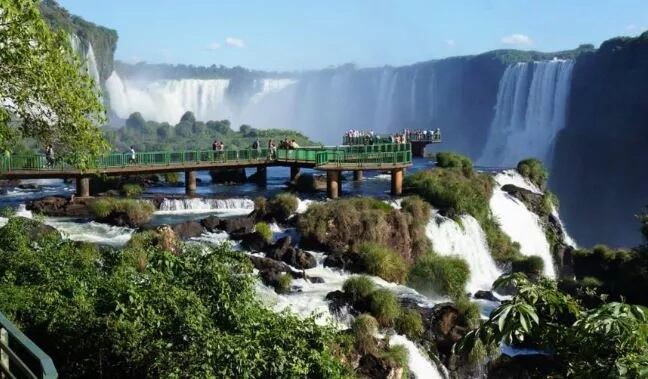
[82, 186]
[294, 171]
[190, 182]
[357, 175]
[333, 184]
[397, 181]
[262, 175]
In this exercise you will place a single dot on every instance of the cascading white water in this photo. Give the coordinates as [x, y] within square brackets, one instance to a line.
[466, 241]
[88, 56]
[519, 223]
[200, 205]
[531, 109]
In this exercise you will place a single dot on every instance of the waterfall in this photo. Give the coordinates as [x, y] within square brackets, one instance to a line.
[466, 241]
[418, 362]
[384, 100]
[88, 57]
[198, 205]
[531, 109]
[519, 223]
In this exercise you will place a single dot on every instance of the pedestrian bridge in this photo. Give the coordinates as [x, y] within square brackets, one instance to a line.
[332, 160]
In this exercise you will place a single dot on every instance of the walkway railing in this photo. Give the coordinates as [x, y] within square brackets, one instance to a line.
[360, 154]
[381, 139]
[20, 357]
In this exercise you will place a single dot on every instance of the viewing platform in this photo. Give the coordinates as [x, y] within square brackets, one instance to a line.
[332, 160]
[417, 140]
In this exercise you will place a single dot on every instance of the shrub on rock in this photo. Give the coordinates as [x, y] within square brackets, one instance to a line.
[534, 170]
[132, 190]
[283, 284]
[435, 274]
[448, 159]
[409, 323]
[383, 262]
[122, 212]
[283, 206]
[384, 306]
[263, 229]
[358, 288]
[364, 329]
[532, 265]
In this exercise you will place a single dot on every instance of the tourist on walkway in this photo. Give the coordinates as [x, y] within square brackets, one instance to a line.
[133, 156]
[49, 155]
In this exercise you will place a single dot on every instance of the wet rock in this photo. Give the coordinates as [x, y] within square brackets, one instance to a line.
[279, 248]
[348, 261]
[316, 279]
[308, 183]
[58, 206]
[188, 229]
[371, 366]
[523, 367]
[226, 176]
[29, 186]
[299, 258]
[485, 295]
[231, 225]
[337, 300]
[270, 270]
[252, 241]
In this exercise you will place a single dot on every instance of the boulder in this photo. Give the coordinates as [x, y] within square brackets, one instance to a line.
[270, 270]
[348, 261]
[231, 225]
[371, 366]
[307, 183]
[299, 258]
[524, 366]
[58, 206]
[188, 229]
[485, 295]
[35, 230]
[337, 301]
[227, 176]
[315, 279]
[279, 248]
[252, 241]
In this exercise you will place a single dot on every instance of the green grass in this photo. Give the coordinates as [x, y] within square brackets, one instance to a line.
[263, 229]
[528, 265]
[409, 323]
[7, 212]
[448, 159]
[283, 283]
[139, 211]
[383, 262]
[283, 206]
[364, 328]
[534, 170]
[358, 288]
[132, 190]
[435, 274]
[396, 356]
[468, 310]
[384, 306]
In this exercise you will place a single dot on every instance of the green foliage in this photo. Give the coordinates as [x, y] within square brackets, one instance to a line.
[417, 207]
[534, 170]
[7, 211]
[409, 323]
[132, 190]
[383, 262]
[171, 177]
[590, 282]
[608, 341]
[283, 206]
[138, 211]
[263, 229]
[396, 356]
[450, 159]
[529, 265]
[435, 274]
[153, 136]
[468, 310]
[194, 314]
[384, 306]
[364, 329]
[358, 287]
[42, 77]
[619, 271]
[284, 282]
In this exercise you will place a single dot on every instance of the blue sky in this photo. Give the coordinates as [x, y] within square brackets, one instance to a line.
[307, 34]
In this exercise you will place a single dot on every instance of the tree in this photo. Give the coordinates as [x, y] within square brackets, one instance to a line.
[46, 92]
[135, 121]
[188, 117]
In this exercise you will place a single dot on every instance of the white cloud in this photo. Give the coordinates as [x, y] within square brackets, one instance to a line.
[517, 39]
[451, 42]
[234, 42]
[214, 46]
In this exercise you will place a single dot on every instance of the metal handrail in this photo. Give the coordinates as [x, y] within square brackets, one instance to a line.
[166, 158]
[11, 359]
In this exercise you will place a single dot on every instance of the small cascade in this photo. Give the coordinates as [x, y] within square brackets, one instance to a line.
[418, 362]
[531, 109]
[519, 223]
[199, 205]
[91, 63]
[466, 241]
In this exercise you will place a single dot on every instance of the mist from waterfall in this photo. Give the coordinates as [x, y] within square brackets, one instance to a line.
[531, 109]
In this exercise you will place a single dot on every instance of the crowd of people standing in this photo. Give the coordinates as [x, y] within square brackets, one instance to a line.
[355, 137]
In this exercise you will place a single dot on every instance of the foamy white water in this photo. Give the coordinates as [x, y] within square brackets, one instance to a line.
[203, 205]
[523, 227]
[466, 241]
[419, 364]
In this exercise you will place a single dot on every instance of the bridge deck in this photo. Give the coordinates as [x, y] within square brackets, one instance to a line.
[373, 157]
